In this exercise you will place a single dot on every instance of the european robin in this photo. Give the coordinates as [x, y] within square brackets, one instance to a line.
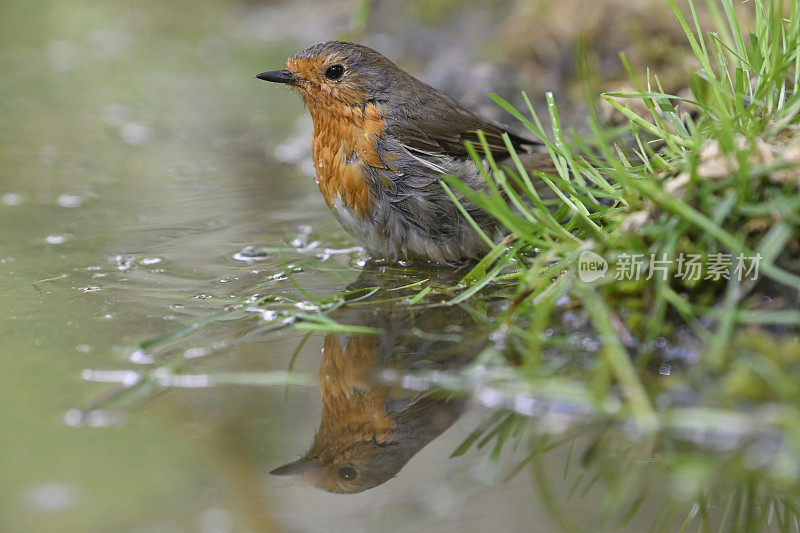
[382, 140]
[370, 430]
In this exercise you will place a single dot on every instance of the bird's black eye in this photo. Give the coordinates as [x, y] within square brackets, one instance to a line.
[348, 473]
[334, 72]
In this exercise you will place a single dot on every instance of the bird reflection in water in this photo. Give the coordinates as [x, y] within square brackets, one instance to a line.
[369, 430]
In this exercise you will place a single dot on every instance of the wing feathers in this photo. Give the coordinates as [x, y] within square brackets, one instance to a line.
[440, 125]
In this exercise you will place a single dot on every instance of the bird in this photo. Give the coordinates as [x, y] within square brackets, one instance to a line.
[382, 141]
[369, 430]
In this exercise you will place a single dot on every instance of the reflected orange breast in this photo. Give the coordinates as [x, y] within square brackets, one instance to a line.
[353, 409]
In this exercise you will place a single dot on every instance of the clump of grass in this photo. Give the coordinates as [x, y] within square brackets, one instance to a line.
[719, 184]
[715, 176]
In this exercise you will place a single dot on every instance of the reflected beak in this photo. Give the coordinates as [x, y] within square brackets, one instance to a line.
[278, 76]
[292, 469]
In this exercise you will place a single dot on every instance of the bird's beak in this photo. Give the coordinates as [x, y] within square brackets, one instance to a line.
[292, 469]
[278, 76]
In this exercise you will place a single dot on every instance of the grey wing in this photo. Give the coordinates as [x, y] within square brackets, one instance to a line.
[416, 208]
[439, 124]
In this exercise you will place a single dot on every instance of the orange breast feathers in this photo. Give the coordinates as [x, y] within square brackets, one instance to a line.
[344, 142]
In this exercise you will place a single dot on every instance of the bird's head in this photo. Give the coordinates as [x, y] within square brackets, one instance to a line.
[341, 73]
[347, 468]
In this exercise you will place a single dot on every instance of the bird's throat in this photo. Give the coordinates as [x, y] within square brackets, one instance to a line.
[344, 145]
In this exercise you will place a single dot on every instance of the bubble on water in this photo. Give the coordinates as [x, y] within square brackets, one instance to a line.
[248, 254]
[124, 261]
[203, 296]
[56, 239]
[301, 241]
[51, 497]
[665, 369]
[83, 348]
[70, 200]
[12, 199]
[135, 134]
[488, 397]
[267, 315]
[140, 357]
[149, 261]
[128, 378]
[196, 352]
[94, 418]
[91, 288]
[189, 381]
[73, 417]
